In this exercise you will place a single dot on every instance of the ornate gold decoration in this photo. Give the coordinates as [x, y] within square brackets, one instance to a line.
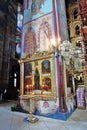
[40, 57]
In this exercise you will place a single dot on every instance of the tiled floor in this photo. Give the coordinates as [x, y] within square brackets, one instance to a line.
[15, 121]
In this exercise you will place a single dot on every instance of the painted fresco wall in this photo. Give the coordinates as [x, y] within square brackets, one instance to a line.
[62, 20]
[38, 27]
[36, 8]
[36, 33]
[39, 23]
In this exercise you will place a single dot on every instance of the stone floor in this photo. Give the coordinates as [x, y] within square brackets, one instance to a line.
[15, 120]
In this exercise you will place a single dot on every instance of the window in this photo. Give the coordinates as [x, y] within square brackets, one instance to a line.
[15, 80]
[75, 14]
[78, 44]
[19, 18]
[85, 21]
[77, 30]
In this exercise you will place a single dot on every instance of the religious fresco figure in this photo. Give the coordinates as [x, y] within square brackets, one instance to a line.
[44, 35]
[30, 41]
[35, 5]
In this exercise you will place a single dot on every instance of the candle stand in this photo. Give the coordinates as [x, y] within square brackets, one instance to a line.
[31, 118]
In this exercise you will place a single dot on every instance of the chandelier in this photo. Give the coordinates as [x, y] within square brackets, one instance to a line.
[70, 51]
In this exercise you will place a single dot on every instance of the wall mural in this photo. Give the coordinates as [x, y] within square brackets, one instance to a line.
[36, 8]
[35, 5]
[62, 18]
[30, 40]
[44, 35]
[37, 35]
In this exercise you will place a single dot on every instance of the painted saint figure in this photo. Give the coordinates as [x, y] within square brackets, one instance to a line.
[30, 41]
[45, 35]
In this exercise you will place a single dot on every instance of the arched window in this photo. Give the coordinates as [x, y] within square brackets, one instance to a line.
[77, 30]
[85, 21]
[75, 14]
[78, 44]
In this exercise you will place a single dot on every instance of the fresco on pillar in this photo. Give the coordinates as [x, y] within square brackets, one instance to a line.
[44, 34]
[63, 20]
[37, 35]
[29, 39]
[36, 8]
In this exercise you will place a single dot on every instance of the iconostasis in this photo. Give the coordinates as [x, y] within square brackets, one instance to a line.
[38, 75]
